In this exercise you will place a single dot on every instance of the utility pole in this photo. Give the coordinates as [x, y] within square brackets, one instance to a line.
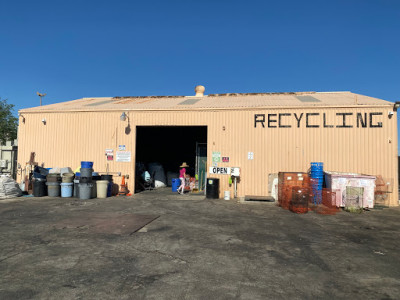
[41, 96]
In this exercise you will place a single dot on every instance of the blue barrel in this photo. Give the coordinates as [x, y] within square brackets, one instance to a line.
[109, 189]
[87, 164]
[176, 182]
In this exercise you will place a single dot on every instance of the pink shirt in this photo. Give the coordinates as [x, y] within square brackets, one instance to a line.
[182, 173]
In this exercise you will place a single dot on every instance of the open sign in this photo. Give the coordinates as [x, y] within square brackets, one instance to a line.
[220, 170]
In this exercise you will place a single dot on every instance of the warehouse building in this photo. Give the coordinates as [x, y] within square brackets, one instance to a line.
[262, 134]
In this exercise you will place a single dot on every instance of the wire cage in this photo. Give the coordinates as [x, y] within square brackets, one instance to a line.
[300, 199]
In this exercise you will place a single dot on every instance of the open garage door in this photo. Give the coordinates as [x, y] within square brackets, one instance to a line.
[160, 150]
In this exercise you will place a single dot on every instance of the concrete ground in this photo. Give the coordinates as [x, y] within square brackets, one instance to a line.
[196, 249]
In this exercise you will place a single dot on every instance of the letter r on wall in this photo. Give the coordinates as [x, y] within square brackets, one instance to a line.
[259, 118]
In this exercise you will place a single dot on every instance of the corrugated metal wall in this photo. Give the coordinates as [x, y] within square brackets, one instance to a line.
[67, 138]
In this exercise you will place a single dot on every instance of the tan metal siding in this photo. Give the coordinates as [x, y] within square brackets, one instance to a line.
[68, 138]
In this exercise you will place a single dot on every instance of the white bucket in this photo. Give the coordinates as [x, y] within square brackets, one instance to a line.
[227, 195]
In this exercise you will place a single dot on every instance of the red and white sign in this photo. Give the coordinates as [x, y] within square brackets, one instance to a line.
[110, 154]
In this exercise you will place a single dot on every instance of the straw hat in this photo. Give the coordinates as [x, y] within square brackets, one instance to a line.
[184, 165]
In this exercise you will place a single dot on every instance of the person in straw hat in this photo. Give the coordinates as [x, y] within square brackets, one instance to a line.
[182, 176]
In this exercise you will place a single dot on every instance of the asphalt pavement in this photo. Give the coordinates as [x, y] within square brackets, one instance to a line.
[196, 249]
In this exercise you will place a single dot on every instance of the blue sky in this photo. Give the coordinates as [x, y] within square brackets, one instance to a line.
[74, 49]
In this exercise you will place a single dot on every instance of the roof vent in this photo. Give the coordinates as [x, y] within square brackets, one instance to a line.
[199, 89]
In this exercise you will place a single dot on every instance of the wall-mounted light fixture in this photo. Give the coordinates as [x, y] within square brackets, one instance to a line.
[123, 117]
[21, 116]
[44, 121]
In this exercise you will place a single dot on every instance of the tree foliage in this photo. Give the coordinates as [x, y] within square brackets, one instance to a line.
[8, 123]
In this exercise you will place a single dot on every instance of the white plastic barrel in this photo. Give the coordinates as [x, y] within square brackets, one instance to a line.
[102, 188]
[227, 195]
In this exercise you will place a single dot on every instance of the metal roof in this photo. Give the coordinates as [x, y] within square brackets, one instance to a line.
[214, 101]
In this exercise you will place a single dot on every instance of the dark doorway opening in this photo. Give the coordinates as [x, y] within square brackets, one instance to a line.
[169, 146]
